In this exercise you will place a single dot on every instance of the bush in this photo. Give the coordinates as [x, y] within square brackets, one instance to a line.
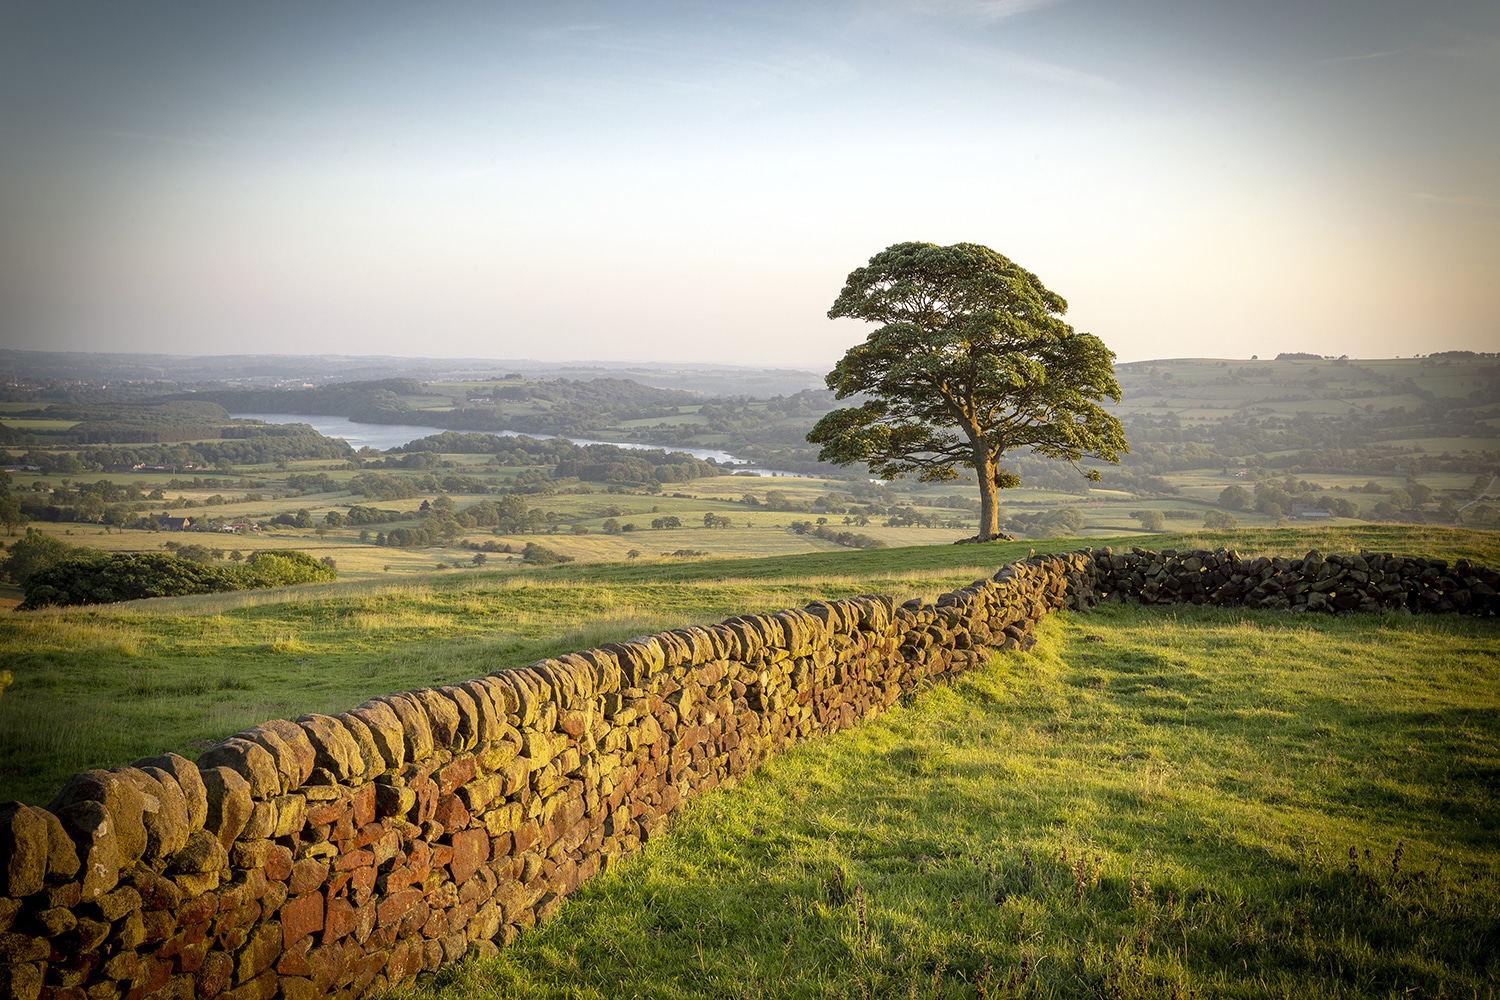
[540, 555]
[35, 552]
[97, 578]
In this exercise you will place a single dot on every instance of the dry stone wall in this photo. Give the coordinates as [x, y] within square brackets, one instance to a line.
[340, 855]
[1369, 581]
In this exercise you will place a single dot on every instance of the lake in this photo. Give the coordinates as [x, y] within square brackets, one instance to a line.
[382, 437]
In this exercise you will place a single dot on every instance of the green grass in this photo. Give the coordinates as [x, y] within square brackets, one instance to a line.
[1186, 803]
[101, 686]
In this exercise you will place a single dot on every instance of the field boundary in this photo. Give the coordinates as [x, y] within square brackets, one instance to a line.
[348, 854]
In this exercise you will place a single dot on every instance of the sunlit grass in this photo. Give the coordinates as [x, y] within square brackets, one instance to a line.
[1149, 804]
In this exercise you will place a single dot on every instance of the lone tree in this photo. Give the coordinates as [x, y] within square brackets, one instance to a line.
[972, 361]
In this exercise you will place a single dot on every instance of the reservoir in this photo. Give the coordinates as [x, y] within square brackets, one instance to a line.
[383, 437]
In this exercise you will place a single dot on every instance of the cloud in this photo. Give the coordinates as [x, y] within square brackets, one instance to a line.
[1370, 55]
[974, 10]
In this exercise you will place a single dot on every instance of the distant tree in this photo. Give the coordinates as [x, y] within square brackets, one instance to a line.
[1234, 498]
[1218, 520]
[611, 526]
[1151, 520]
[1420, 493]
[35, 552]
[972, 361]
[11, 515]
[479, 558]
[1399, 499]
[633, 554]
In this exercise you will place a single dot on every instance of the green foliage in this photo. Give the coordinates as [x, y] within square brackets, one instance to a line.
[35, 552]
[1234, 498]
[540, 555]
[283, 568]
[972, 361]
[1151, 520]
[1218, 520]
[99, 578]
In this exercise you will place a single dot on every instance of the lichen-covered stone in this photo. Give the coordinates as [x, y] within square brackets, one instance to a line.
[189, 782]
[24, 849]
[92, 830]
[369, 751]
[229, 803]
[122, 801]
[385, 729]
[336, 750]
[416, 730]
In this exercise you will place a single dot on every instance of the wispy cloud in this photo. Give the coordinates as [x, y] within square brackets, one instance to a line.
[974, 10]
[1370, 55]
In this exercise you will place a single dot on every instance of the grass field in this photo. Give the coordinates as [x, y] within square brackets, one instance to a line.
[100, 686]
[1149, 804]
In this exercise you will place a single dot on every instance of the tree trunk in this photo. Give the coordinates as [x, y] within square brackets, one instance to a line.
[989, 500]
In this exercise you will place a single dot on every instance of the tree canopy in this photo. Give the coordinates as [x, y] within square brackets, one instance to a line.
[972, 361]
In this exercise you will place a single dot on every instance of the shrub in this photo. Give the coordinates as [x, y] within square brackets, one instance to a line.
[97, 578]
[540, 555]
[35, 552]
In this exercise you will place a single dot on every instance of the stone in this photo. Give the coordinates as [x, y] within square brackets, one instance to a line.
[471, 848]
[416, 731]
[295, 740]
[285, 760]
[385, 729]
[308, 875]
[122, 801]
[24, 849]
[229, 803]
[486, 718]
[62, 855]
[442, 714]
[262, 822]
[168, 827]
[259, 952]
[118, 903]
[189, 782]
[369, 750]
[300, 917]
[89, 825]
[336, 750]
[204, 852]
[251, 761]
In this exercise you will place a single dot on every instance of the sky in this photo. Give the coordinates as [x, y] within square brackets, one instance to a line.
[692, 181]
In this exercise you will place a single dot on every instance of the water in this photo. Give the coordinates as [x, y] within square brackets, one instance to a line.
[382, 437]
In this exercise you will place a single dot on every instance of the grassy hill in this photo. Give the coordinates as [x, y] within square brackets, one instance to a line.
[1150, 803]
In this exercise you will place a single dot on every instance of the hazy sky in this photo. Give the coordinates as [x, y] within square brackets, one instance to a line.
[692, 181]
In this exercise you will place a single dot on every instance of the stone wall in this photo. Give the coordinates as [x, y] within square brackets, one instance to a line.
[1365, 582]
[345, 854]
[341, 855]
